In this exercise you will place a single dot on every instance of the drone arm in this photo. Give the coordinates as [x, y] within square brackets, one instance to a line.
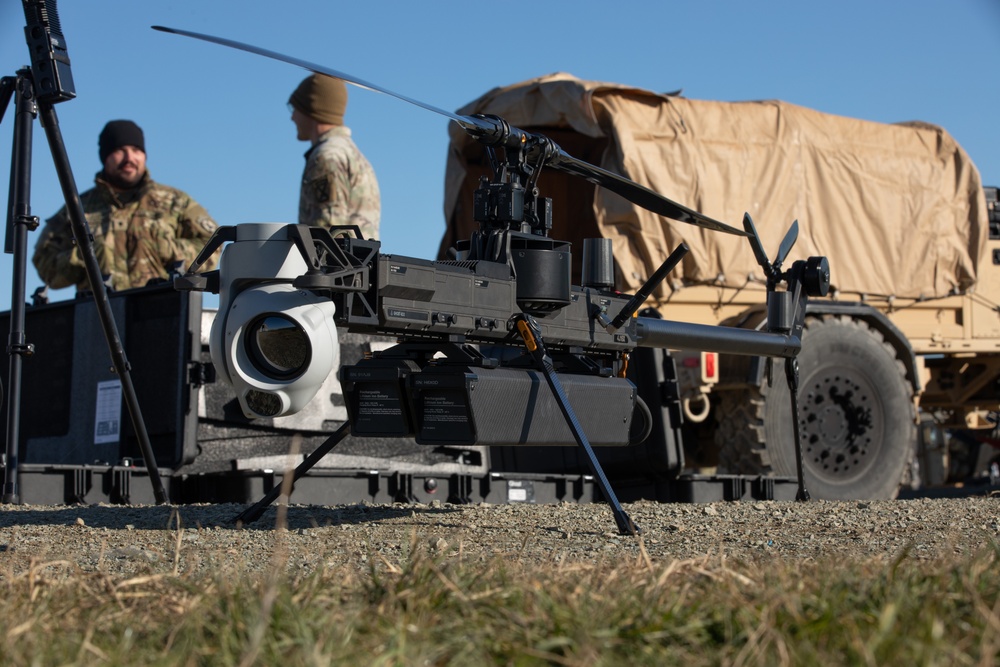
[652, 332]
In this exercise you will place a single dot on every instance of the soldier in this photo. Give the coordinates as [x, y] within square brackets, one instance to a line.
[142, 229]
[338, 185]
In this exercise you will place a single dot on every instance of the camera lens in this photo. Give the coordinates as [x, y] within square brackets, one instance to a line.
[278, 347]
[263, 403]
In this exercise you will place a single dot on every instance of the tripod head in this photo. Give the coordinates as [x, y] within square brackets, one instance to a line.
[49, 59]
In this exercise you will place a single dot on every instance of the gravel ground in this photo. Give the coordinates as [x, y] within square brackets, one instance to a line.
[124, 541]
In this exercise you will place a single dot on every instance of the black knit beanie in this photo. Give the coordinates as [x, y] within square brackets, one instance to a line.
[118, 133]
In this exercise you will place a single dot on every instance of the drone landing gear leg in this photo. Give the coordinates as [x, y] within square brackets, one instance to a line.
[531, 334]
[792, 375]
[254, 512]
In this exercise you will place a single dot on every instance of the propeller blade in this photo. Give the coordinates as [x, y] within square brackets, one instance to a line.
[469, 123]
[791, 236]
[491, 130]
[637, 194]
[756, 245]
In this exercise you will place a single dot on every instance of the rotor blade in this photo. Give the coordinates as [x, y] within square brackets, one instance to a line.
[491, 130]
[756, 245]
[468, 123]
[786, 243]
[637, 194]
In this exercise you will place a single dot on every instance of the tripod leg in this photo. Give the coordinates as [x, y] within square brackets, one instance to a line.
[792, 375]
[622, 519]
[81, 232]
[536, 348]
[255, 511]
[19, 223]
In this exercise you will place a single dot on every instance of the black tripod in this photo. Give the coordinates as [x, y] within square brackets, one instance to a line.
[50, 69]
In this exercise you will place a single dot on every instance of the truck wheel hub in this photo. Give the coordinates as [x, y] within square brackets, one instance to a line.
[836, 424]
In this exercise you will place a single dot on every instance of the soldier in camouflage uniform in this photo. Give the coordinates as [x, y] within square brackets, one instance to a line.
[338, 185]
[141, 228]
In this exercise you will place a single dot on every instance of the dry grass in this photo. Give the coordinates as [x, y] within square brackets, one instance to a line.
[434, 608]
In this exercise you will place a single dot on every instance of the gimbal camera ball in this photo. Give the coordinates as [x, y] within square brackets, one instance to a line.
[273, 342]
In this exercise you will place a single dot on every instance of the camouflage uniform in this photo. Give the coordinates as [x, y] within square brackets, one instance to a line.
[339, 185]
[138, 235]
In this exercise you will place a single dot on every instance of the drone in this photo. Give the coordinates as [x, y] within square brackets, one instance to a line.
[494, 346]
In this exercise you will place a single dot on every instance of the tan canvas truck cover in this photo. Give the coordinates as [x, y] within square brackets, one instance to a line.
[898, 209]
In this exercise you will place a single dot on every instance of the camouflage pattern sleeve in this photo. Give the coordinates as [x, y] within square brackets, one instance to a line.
[57, 258]
[339, 186]
[194, 227]
[168, 227]
[138, 237]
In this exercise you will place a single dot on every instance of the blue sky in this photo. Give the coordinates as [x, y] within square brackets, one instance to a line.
[217, 125]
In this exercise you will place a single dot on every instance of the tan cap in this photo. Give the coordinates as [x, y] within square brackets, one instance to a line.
[322, 98]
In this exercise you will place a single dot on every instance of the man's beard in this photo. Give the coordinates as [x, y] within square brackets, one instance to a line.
[120, 183]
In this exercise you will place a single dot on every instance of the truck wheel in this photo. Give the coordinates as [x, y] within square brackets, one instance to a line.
[856, 416]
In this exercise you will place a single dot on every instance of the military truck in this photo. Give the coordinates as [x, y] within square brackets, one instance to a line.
[910, 333]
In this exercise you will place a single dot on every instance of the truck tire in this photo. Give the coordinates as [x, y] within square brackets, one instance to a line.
[856, 416]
